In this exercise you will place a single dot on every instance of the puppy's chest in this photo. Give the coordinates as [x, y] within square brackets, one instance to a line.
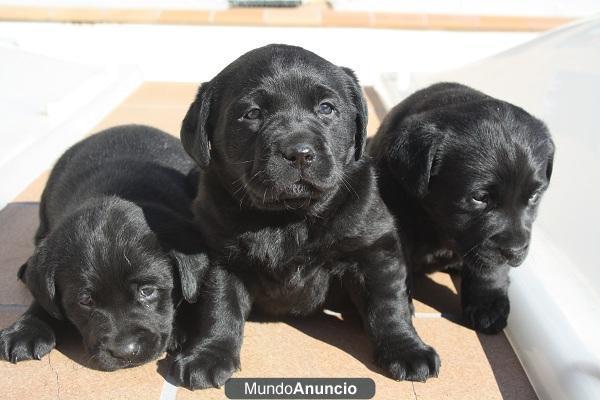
[281, 251]
[288, 269]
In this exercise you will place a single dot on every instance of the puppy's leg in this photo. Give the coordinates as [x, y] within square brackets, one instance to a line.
[30, 337]
[484, 298]
[212, 354]
[410, 287]
[378, 289]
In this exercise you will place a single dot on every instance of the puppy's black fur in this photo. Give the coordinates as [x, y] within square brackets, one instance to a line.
[464, 173]
[114, 250]
[290, 208]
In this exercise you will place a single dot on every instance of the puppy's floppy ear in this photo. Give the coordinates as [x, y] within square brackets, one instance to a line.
[195, 133]
[360, 104]
[191, 268]
[179, 238]
[38, 274]
[411, 157]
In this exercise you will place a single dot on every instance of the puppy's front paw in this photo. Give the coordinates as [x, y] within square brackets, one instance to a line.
[27, 339]
[204, 368]
[488, 316]
[411, 362]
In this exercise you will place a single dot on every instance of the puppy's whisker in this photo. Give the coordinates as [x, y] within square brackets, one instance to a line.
[477, 245]
[478, 262]
[245, 185]
[349, 183]
[237, 180]
[242, 199]
[346, 183]
[91, 359]
[249, 161]
[243, 176]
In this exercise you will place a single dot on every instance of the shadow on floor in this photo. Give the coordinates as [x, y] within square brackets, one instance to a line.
[508, 372]
[439, 297]
[346, 334]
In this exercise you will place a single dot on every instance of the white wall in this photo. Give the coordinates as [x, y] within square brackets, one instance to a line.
[196, 53]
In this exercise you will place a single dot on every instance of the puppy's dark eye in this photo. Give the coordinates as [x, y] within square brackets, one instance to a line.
[325, 108]
[253, 114]
[86, 300]
[534, 197]
[147, 292]
[480, 199]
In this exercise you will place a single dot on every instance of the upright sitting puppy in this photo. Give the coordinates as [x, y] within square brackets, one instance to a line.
[289, 207]
[114, 251]
[464, 173]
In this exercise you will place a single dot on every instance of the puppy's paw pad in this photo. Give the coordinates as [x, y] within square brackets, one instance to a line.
[26, 340]
[412, 363]
[490, 317]
[204, 369]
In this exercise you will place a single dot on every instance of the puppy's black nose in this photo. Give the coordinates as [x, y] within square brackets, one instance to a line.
[301, 154]
[511, 239]
[126, 350]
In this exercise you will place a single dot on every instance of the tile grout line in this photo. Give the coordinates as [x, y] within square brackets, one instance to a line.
[56, 377]
[13, 306]
[168, 392]
[428, 315]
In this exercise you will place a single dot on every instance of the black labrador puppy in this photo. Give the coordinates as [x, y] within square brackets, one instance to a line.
[114, 250]
[464, 174]
[289, 206]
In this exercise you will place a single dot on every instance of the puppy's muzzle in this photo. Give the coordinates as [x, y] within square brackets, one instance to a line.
[300, 155]
[515, 255]
[513, 246]
[126, 350]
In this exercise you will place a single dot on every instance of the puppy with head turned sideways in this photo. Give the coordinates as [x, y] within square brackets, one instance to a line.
[115, 253]
[464, 173]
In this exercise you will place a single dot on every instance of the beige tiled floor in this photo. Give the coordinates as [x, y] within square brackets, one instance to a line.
[473, 366]
[313, 14]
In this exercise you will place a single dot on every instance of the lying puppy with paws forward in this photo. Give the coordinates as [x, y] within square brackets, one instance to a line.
[114, 250]
[289, 206]
[464, 174]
